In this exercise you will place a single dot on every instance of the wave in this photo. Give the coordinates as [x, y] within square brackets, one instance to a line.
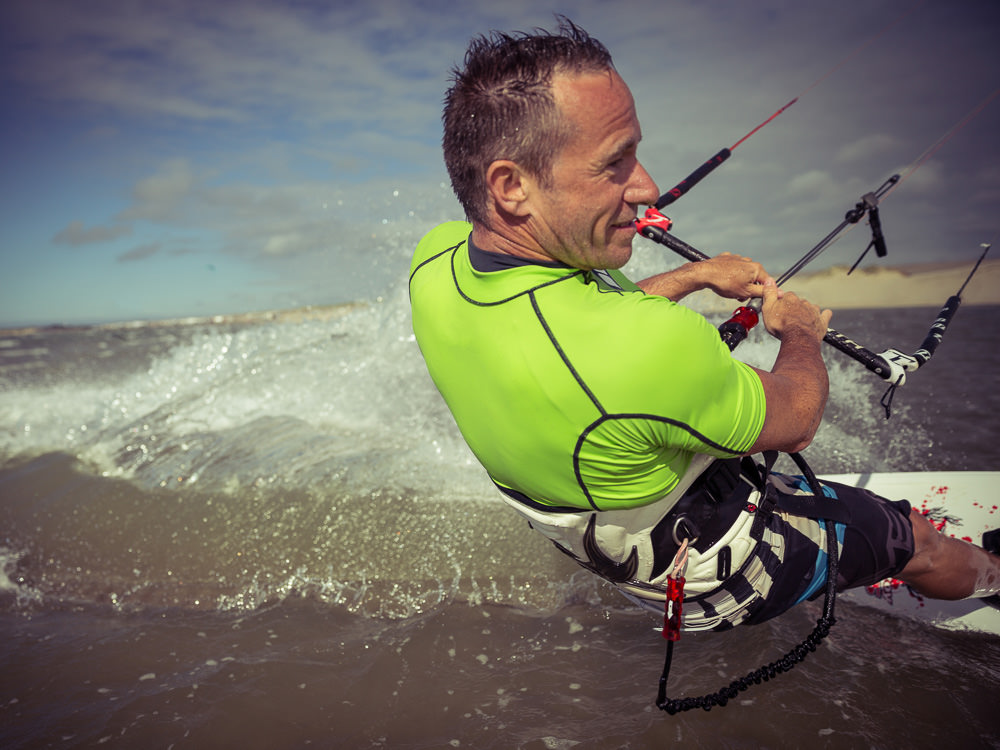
[232, 466]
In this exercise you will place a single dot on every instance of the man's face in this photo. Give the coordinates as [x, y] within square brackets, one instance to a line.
[585, 217]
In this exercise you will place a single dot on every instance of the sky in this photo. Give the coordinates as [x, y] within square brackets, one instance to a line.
[175, 158]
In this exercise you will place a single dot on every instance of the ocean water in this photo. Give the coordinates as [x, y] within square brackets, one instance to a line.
[269, 534]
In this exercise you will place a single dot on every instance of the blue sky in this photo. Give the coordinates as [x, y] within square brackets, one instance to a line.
[181, 158]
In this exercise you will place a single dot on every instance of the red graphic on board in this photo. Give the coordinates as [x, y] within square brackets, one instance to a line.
[886, 590]
[932, 507]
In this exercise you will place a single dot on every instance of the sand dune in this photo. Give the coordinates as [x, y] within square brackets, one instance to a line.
[926, 285]
[919, 285]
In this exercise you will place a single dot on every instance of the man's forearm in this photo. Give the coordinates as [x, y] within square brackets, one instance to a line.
[676, 284]
[727, 275]
[796, 391]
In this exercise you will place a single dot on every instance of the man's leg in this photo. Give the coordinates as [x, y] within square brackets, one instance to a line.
[943, 567]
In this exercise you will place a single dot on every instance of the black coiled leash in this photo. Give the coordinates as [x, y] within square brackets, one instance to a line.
[786, 662]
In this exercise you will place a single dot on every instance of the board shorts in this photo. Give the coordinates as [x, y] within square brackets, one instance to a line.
[876, 543]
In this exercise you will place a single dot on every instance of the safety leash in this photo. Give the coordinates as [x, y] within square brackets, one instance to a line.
[672, 622]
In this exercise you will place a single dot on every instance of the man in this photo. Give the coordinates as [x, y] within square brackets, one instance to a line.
[611, 417]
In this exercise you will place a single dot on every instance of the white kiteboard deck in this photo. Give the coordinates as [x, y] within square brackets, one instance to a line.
[962, 504]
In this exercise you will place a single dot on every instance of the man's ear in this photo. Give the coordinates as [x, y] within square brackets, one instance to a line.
[509, 186]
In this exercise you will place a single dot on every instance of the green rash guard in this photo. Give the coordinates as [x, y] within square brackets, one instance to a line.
[571, 391]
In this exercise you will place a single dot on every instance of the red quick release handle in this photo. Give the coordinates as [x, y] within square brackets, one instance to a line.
[653, 225]
[734, 330]
[672, 608]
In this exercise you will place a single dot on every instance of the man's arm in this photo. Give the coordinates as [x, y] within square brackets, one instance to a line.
[728, 275]
[796, 388]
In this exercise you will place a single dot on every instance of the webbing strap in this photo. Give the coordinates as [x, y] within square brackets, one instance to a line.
[812, 506]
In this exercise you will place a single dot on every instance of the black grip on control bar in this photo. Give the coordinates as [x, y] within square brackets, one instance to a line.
[874, 362]
[692, 179]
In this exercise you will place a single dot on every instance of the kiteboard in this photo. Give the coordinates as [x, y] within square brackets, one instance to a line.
[962, 504]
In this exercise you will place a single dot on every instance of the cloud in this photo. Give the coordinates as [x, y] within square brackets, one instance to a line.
[867, 148]
[162, 196]
[226, 63]
[286, 243]
[279, 221]
[140, 252]
[76, 233]
[814, 184]
[926, 178]
[276, 133]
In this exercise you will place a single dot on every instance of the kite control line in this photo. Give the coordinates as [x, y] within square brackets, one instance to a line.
[892, 364]
[868, 205]
[709, 166]
[705, 169]
[654, 226]
[903, 363]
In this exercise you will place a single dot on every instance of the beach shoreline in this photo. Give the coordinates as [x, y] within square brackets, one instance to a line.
[290, 315]
[913, 285]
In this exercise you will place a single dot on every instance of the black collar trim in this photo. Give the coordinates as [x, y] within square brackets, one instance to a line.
[485, 261]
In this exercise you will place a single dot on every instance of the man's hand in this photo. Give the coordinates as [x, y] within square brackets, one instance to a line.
[797, 386]
[786, 311]
[735, 276]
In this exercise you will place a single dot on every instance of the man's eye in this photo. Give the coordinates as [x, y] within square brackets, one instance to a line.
[621, 161]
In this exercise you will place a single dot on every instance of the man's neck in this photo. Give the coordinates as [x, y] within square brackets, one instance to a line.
[508, 243]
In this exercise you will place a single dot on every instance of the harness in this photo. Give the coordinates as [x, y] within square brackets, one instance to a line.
[718, 518]
[721, 508]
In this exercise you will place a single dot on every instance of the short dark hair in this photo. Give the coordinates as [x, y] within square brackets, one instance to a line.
[501, 105]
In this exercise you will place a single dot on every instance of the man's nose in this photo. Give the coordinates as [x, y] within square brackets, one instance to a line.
[642, 189]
